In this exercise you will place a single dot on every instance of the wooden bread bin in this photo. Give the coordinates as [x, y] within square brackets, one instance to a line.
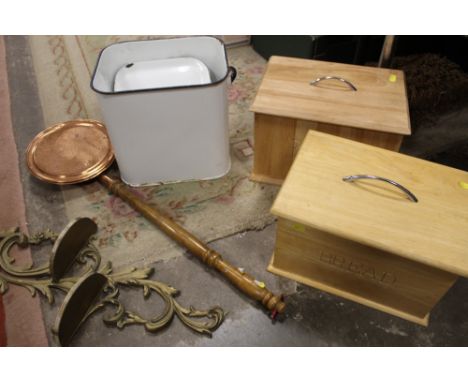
[365, 104]
[397, 247]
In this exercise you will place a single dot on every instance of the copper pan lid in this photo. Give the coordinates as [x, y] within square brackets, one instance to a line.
[70, 152]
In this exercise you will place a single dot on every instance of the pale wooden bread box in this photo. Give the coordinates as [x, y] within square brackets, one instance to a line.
[367, 240]
[287, 106]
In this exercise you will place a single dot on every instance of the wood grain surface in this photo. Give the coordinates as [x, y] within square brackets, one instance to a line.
[358, 272]
[376, 214]
[379, 104]
[278, 139]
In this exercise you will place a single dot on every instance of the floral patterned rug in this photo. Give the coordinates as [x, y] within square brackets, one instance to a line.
[210, 209]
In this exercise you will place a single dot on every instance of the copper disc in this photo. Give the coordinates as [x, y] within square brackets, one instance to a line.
[70, 152]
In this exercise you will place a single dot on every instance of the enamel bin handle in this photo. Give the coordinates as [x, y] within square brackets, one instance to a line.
[409, 194]
[233, 73]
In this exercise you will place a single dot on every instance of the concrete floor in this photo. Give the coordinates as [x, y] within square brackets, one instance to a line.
[313, 318]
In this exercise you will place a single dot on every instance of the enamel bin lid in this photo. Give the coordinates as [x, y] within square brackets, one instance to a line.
[163, 73]
[432, 231]
[347, 95]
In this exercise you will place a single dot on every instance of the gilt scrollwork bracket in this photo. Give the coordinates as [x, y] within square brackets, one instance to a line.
[94, 286]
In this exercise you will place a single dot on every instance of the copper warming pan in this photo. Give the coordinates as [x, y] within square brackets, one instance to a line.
[79, 150]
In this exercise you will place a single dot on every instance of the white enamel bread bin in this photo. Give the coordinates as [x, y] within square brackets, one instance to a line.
[165, 106]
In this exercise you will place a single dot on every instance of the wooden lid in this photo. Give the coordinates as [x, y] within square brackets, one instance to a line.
[379, 103]
[433, 231]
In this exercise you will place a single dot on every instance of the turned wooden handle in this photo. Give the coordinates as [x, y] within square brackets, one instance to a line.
[241, 280]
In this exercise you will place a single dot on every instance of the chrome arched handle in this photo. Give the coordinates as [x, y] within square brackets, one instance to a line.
[351, 86]
[352, 178]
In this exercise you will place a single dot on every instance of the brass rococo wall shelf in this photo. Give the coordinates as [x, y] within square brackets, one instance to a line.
[95, 286]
